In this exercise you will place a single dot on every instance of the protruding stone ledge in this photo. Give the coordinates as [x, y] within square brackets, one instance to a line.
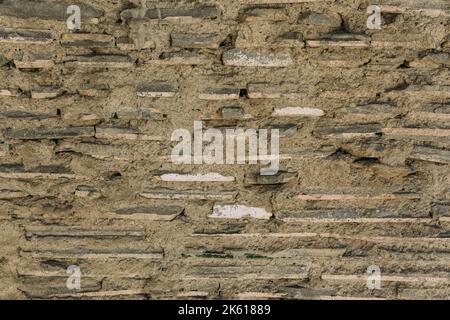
[350, 132]
[340, 40]
[80, 232]
[83, 191]
[358, 197]
[245, 58]
[132, 294]
[94, 253]
[26, 36]
[21, 114]
[49, 133]
[237, 211]
[351, 216]
[102, 61]
[188, 194]
[195, 177]
[297, 112]
[17, 171]
[156, 213]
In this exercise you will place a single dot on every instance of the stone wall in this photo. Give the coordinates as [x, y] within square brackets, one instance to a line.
[86, 119]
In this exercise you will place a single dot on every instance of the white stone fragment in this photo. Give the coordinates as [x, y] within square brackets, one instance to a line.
[236, 211]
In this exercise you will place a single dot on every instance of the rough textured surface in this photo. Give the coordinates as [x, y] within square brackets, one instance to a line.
[85, 172]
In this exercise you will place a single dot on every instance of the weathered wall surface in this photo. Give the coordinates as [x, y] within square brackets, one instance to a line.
[85, 172]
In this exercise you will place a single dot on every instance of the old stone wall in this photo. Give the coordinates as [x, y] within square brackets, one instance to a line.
[86, 178]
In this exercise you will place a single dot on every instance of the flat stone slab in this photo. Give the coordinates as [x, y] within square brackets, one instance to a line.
[161, 213]
[244, 58]
[40, 133]
[29, 36]
[236, 211]
[159, 193]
